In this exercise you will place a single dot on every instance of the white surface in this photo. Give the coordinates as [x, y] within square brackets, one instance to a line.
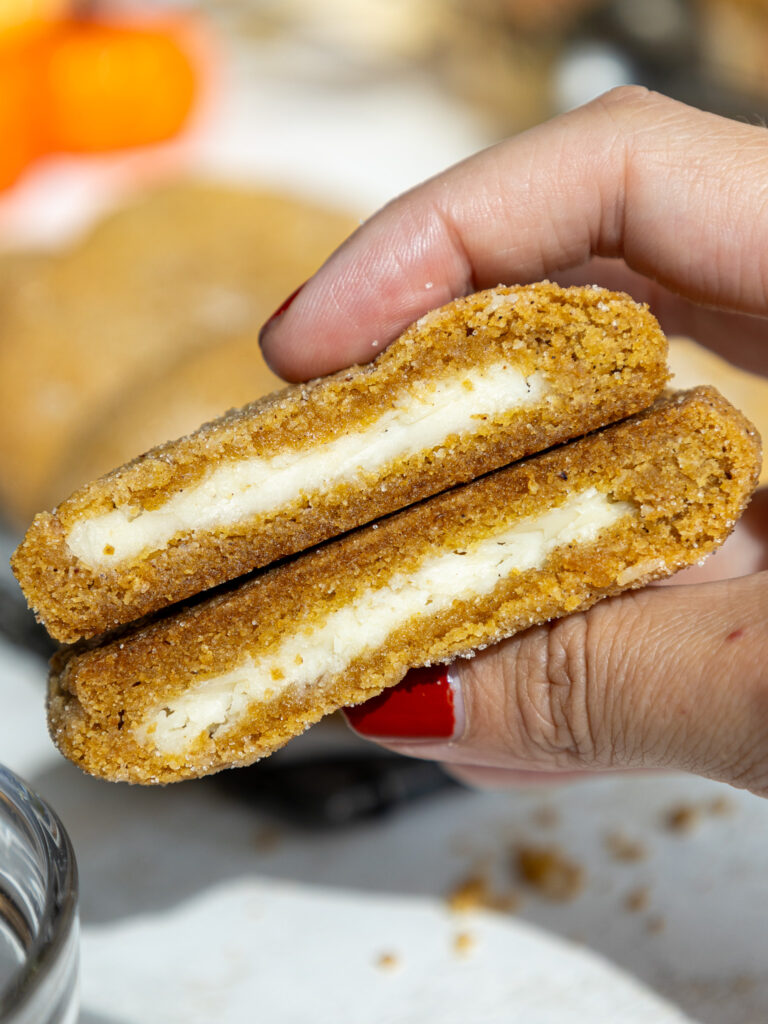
[301, 954]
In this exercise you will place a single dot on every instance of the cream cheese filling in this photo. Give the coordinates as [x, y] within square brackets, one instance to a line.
[237, 490]
[325, 649]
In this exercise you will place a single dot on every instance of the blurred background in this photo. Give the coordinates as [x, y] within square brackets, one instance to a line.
[169, 173]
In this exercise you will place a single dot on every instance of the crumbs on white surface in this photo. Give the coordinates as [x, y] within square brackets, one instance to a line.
[388, 962]
[476, 892]
[464, 943]
[683, 818]
[637, 899]
[550, 872]
[622, 847]
[686, 817]
[546, 816]
[720, 805]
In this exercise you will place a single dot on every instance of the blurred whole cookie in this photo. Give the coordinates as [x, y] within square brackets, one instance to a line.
[182, 271]
[196, 387]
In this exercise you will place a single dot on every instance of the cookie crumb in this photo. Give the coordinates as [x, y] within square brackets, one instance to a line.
[388, 961]
[550, 872]
[464, 943]
[475, 893]
[546, 816]
[656, 924]
[622, 847]
[637, 899]
[682, 819]
[267, 838]
[720, 806]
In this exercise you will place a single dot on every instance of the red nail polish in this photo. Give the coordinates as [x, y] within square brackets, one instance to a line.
[421, 707]
[282, 308]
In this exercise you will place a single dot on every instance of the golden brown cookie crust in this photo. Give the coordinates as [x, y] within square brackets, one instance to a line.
[688, 466]
[604, 358]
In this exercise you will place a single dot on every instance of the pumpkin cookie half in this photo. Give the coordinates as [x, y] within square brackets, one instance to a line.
[230, 679]
[470, 387]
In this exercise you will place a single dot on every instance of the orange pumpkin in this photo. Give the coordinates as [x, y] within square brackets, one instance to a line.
[108, 86]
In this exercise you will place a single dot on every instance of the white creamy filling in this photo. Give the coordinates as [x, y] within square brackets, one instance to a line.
[233, 491]
[326, 649]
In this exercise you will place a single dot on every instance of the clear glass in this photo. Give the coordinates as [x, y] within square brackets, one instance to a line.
[39, 933]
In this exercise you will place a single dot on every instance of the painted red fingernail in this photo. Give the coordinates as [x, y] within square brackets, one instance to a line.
[424, 706]
[282, 308]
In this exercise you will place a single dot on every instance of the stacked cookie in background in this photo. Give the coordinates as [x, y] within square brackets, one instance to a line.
[143, 329]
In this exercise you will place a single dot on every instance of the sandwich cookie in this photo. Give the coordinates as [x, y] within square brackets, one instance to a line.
[470, 387]
[232, 677]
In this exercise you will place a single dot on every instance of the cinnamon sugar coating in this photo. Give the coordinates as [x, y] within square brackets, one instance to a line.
[602, 355]
[687, 467]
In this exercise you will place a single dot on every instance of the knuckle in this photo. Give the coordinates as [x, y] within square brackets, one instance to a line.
[550, 676]
[571, 690]
[645, 678]
[625, 98]
[568, 674]
[632, 109]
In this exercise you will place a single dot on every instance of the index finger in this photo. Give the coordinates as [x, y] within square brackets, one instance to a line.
[681, 194]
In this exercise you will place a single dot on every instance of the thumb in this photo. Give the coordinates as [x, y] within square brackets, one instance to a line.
[666, 677]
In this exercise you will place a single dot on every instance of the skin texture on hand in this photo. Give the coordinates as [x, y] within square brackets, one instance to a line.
[681, 196]
[641, 193]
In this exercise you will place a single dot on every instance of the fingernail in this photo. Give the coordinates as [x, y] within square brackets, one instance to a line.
[426, 705]
[282, 307]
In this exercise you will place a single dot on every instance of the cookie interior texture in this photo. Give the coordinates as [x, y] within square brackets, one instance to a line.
[233, 677]
[470, 387]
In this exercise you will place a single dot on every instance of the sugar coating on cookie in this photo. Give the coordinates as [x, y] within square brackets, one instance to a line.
[470, 387]
[233, 677]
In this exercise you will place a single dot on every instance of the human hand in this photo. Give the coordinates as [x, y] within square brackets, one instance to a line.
[636, 192]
